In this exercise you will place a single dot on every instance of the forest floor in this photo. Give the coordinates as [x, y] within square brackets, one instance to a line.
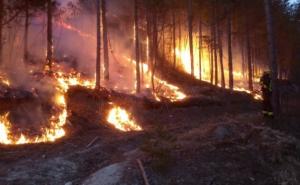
[228, 142]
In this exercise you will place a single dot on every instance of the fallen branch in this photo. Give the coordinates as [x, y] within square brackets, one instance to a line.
[92, 142]
[143, 171]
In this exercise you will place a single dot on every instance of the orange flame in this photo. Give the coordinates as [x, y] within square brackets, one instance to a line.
[183, 55]
[121, 120]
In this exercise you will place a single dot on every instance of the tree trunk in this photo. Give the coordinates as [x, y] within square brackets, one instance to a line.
[243, 59]
[200, 50]
[98, 52]
[137, 47]
[249, 58]
[174, 38]
[190, 25]
[155, 47]
[26, 31]
[105, 40]
[220, 44]
[211, 56]
[163, 42]
[1, 29]
[230, 64]
[272, 56]
[215, 55]
[180, 34]
[149, 40]
[49, 36]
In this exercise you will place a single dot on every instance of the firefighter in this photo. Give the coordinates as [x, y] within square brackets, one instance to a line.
[266, 88]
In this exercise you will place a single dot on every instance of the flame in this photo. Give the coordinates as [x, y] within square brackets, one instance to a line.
[183, 55]
[57, 122]
[72, 28]
[4, 80]
[51, 134]
[163, 88]
[121, 120]
[168, 91]
[67, 80]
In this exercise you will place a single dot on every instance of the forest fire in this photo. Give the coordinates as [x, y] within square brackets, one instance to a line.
[183, 55]
[162, 89]
[51, 134]
[121, 120]
[72, 28]
[74, 79]
[48, 134]
[145, 91]
[168, 91]
[4, 80]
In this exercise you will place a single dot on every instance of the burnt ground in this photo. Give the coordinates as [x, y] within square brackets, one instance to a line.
[223, 140]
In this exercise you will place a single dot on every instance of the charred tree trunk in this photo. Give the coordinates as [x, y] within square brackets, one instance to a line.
[105, 40]
[215, 27]
[249, 59]
[98, 52]
[273, 57]
[149, 40]
[155, 47]
[220, 46]
[137, 47]
[49, 36]
[1, 29]
[215, 56]
[229, 41]
[174, 38]
[179, 34]
[163, 42]
[211, 57]
[243, 59]
[200, 50]
[190, 25]
[26, 31]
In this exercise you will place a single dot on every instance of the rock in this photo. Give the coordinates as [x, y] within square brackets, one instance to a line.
[110, 175]
[222, 132]
[252, 179]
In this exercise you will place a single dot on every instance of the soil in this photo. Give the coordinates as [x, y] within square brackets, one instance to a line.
[228, 142]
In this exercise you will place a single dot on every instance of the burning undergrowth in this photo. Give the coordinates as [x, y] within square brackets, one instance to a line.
[43, 116]
[32, 116]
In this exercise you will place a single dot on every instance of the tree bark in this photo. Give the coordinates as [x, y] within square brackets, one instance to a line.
[272, 57]
[155, 47]
[26, 31]
[249, 58]
[1, 29]
[200, 49]
[137, 47]
[149, 40]
[180, 34]
[105, 40]
[211, 56]
[220, 46]
[190, 28]
[98, 51]
[174, 38]
[229, 40]
[49, 36]
[215, 50]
